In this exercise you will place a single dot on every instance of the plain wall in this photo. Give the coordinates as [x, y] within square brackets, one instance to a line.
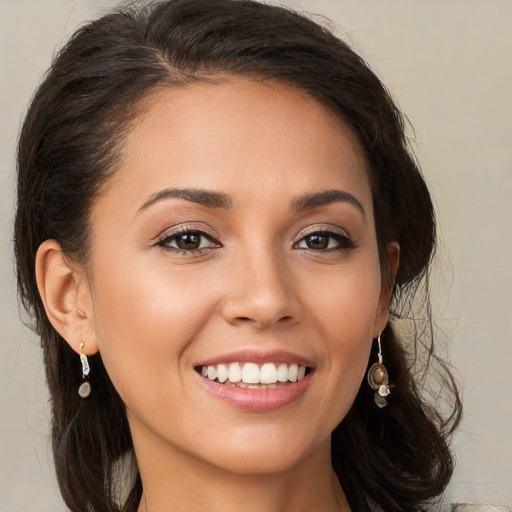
[449, 65]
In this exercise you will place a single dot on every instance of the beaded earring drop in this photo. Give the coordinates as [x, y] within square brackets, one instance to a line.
[378, 380]
[85, 388]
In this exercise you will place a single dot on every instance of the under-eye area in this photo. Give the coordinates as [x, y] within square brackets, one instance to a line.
[254, 376]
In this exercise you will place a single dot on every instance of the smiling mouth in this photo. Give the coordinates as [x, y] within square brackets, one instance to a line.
[254, 376]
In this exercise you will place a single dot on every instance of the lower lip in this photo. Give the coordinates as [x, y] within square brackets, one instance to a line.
[258, 400]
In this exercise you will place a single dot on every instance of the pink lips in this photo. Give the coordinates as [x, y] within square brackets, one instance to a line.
[258, 400]
[258, 357]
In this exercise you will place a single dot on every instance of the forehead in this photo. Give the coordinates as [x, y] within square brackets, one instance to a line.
[236, 135]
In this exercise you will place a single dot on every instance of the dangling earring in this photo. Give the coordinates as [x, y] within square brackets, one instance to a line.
[85, 388]
[378, 380]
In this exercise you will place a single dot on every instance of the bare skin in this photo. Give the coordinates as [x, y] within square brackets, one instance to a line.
[212, 489]
[240, 219]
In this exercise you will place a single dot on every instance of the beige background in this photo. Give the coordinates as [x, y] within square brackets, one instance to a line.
[449, 65]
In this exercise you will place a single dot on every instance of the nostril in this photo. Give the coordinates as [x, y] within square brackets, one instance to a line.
[260, 312]
[263, 322]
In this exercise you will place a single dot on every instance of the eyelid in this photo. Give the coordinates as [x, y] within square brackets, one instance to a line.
[185, 228]
[326, 228]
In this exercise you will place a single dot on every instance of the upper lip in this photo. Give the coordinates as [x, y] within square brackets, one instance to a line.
[258, 357]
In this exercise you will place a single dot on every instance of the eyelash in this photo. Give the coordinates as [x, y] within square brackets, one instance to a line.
[343, 241]
[168, 238]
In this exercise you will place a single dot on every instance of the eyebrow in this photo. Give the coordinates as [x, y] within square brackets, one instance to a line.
[324, 198]
[202, 197]
[223, 201]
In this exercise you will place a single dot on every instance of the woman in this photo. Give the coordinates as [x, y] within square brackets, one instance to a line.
[219, 227]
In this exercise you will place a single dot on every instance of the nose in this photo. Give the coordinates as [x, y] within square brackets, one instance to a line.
[262, 293]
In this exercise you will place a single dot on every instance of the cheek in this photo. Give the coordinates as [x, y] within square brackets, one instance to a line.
[145, 318]
[348, 303]
[346, 310]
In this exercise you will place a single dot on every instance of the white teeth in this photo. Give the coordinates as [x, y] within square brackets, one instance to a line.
[250, 375]
[282, 373]
[293, 372]
[212, 372]
[235, 373]
[222, 373]
[268, 374]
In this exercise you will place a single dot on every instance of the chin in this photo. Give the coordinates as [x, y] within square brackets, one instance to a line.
[259, 463]
[266, 453]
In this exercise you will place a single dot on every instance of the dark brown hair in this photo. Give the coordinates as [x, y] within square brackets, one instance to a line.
[70, 144]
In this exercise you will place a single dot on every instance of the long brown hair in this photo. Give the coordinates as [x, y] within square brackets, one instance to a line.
[397, 457]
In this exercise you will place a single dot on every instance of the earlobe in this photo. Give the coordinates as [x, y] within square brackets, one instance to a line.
[62, 291]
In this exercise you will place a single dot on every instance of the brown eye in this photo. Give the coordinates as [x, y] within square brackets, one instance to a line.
[317, 242]
[187, 241]
[325, 241]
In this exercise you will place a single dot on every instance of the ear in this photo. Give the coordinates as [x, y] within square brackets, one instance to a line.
[64, 290]
[386, 292]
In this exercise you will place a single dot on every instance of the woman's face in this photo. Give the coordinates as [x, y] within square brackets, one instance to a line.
[236, 241]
